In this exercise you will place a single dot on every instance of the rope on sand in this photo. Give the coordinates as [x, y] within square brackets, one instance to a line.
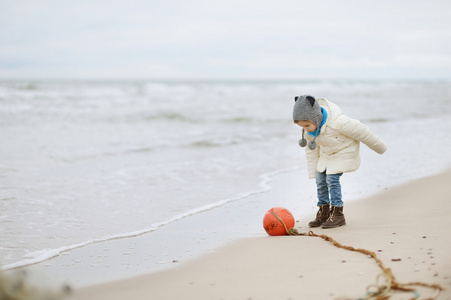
[377, 291]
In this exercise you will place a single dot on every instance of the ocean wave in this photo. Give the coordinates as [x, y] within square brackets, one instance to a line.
[170, 116]
[42, 255]
[91, 156]
[377, 120]
[245, 120]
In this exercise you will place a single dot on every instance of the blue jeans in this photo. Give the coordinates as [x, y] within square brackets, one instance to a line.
[328, 184]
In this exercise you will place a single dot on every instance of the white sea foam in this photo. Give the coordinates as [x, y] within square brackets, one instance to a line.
[46, 254]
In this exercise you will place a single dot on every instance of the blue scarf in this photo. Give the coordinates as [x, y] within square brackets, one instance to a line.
[324, 112]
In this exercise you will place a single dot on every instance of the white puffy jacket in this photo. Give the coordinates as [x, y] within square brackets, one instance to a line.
[338, 143]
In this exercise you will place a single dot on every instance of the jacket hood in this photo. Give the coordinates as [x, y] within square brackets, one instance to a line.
[333, 111]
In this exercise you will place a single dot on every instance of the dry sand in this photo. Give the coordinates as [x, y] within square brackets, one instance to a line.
[409, 227]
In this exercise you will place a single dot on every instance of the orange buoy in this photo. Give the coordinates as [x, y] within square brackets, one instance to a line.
[274, 226]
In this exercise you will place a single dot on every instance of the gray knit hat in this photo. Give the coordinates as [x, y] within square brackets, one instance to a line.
[307, 108]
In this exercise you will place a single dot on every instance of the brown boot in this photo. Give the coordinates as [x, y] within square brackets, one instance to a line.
[336, 218]
[321, 216]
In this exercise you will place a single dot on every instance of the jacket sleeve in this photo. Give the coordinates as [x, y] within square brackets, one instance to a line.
[358, 131]
[312, 161]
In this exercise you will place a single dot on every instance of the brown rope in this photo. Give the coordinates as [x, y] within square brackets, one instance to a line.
[378, 291]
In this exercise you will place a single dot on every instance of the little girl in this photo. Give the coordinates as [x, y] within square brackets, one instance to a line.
[333, 143]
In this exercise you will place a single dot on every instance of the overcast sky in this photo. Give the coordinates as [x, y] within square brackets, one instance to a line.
[225, 39]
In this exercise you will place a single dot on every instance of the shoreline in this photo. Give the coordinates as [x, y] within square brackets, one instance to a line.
[42, 256]
[175, 243]
[407, 226]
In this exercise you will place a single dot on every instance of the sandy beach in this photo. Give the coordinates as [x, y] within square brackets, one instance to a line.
[408, 227]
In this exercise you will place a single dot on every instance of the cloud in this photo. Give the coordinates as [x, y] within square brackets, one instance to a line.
[232, 38]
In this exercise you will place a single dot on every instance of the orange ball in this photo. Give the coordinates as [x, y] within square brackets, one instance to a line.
[273, 226]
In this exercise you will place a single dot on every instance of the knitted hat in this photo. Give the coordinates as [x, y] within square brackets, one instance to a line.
[307, 108]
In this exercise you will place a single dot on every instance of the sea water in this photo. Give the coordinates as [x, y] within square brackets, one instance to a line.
[90, 161]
